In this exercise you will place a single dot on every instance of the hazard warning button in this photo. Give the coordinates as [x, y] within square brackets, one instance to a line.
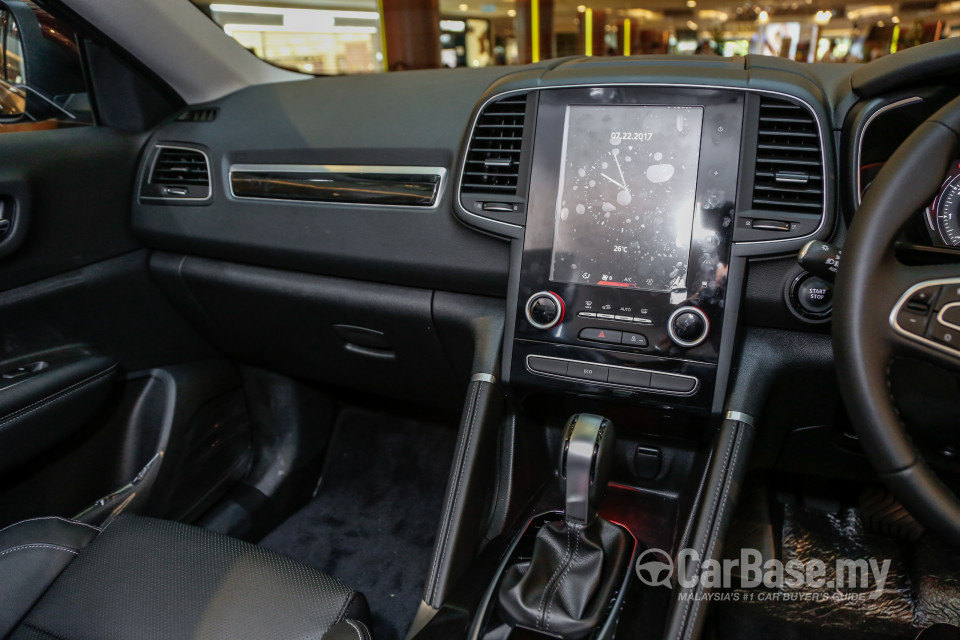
[601, 335]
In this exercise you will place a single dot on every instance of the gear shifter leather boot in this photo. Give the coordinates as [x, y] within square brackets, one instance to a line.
[566, 586]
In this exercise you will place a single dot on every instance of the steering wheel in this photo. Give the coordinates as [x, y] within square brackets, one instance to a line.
[886, 310]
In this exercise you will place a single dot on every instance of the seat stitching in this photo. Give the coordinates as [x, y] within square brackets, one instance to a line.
[343, 609]
[39, 546]
[353, 624]
[70, 520]
[36, 406]
[43, 631]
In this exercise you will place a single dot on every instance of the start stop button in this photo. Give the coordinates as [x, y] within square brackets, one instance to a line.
[815, 295]
[810, 297]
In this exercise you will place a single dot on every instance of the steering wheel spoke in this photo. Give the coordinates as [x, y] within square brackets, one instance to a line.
[925, 321]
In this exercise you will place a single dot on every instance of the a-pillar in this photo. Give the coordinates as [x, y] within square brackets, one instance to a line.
[527, 37]
[412, 33]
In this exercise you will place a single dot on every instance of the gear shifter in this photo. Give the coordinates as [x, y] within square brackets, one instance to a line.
[585, 465]
[565, 586]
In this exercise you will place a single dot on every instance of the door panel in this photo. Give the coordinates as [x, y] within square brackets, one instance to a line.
[80, 313]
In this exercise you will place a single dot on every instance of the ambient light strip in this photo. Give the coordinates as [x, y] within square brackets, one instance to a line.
[391, 186]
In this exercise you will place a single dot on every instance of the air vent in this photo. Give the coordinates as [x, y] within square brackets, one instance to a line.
[493, 157]
[789, 169]
[178, 173]
[198, 115]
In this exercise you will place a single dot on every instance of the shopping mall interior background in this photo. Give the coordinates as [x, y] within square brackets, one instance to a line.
[332, 37]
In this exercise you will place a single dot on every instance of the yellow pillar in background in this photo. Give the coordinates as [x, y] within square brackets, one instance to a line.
[588, 31]
[535, 30]
[626, 36]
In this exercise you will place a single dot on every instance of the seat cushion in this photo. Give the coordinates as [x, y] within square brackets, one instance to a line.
[148, 579]
[32, 555]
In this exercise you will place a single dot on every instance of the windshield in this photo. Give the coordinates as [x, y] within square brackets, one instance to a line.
[333, 37]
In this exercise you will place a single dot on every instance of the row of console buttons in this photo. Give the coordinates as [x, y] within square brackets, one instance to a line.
[620, 376]
[610, 316]
[614, 337]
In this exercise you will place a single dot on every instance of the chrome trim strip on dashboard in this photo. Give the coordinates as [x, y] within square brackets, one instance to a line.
[866, 125]
[156, 155]
[912, 336]
[499, 96]
[696, 380]
[376, 179]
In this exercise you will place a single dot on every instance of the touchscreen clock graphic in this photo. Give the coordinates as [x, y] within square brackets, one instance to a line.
[625, 206]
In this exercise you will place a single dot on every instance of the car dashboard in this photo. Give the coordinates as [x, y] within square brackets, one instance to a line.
[634, 215]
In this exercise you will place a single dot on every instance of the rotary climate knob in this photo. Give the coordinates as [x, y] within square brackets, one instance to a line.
[688, 326]
[545, 310]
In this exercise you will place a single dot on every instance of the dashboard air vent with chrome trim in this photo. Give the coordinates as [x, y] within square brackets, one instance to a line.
[789, 174]
[493, 158]
[177, 173]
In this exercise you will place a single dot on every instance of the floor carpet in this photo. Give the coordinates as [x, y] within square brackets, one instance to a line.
[374, 520]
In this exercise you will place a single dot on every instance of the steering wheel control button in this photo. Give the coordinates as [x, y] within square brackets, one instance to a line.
[815, 296]
[923, 299]
[587, 371]
[944, 335]
[949, 316]
[948, 293]
[629, 377]
[674, 384]
[633, 339]
[601, 335]
[544, 310]
[547, 365]
[688, 326]
[912, 322]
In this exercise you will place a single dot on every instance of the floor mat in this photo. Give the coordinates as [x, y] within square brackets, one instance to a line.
[921, 587]
[373, 523]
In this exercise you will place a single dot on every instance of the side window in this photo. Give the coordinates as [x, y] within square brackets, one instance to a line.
[42, 85]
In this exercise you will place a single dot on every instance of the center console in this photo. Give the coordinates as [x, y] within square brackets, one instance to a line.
[629, 227]
[633, 196]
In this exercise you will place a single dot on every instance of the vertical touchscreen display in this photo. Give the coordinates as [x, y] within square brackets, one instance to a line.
[627, 195]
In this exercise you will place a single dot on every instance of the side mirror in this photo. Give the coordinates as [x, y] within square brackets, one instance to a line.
[40, 72]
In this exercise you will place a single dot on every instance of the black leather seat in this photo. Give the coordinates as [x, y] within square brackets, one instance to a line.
[146, 579]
